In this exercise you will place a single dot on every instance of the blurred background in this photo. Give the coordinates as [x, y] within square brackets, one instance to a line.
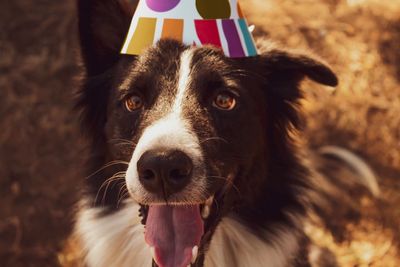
[41, 150]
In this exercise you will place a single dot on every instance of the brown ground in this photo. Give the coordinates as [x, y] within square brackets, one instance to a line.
[40, 147]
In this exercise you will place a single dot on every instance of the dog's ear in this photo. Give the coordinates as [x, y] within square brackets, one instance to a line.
[286, 69]
[103, 25]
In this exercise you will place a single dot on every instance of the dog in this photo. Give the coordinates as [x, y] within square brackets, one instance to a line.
[194, 157]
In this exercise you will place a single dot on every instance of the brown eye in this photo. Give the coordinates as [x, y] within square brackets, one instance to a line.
[225, 101]
[133, 103]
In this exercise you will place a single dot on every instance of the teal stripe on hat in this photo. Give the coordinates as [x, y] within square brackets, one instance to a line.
[251, 49]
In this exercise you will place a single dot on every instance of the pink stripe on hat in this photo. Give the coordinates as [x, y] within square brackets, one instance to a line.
[207, 31]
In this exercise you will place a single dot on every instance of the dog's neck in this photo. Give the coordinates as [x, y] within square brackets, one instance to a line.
[117, 239]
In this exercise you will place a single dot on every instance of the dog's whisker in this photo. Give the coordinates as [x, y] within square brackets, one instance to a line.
[122, 194]
[107, 165]
[124, 144]
[121, 189]
[231, 183]
[108, 186]
[216, 138]
[122, 141]
[117, 176]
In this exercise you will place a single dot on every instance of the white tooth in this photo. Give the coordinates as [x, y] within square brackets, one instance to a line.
[153, 252]
[205, 212]
[209, 201]
[195, 251]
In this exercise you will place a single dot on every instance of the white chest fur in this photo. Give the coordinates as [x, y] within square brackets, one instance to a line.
[117, 240]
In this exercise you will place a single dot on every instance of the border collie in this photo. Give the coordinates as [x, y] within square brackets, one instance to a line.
[193, 155]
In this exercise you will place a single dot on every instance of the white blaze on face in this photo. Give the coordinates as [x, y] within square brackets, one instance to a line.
[171, 132]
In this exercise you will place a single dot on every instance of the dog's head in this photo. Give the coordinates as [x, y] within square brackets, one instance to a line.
[203, 135]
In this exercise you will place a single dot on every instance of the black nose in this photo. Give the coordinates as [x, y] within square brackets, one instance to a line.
[164, 171]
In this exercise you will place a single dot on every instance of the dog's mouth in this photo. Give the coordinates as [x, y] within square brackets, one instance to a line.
[177, 234]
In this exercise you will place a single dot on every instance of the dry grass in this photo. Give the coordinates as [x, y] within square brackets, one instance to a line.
[360, 38]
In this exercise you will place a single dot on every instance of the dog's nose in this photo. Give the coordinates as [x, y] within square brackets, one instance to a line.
[164, 172]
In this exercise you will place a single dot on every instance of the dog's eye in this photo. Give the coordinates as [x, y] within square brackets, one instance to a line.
[225, 101]
[133, 103]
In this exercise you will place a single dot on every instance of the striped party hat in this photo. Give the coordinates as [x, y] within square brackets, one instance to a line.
[194, 22]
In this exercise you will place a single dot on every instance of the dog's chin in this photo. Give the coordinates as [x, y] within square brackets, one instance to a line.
[178, 233]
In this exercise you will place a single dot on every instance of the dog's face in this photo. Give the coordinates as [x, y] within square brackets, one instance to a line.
[187, 112]
[196, 124]
[198, 131]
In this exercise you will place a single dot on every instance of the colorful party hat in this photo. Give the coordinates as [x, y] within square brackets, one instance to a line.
[194, 22]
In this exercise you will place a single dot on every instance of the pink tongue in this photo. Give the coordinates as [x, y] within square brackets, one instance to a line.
[173, 231]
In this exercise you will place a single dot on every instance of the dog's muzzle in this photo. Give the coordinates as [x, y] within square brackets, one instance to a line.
[164, 171]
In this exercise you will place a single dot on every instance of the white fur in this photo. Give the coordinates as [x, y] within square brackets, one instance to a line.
[234, 245]
[117, 240]
[172, 132]
[183, 82]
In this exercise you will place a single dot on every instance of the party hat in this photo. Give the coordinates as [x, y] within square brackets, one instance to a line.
[194, 22]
